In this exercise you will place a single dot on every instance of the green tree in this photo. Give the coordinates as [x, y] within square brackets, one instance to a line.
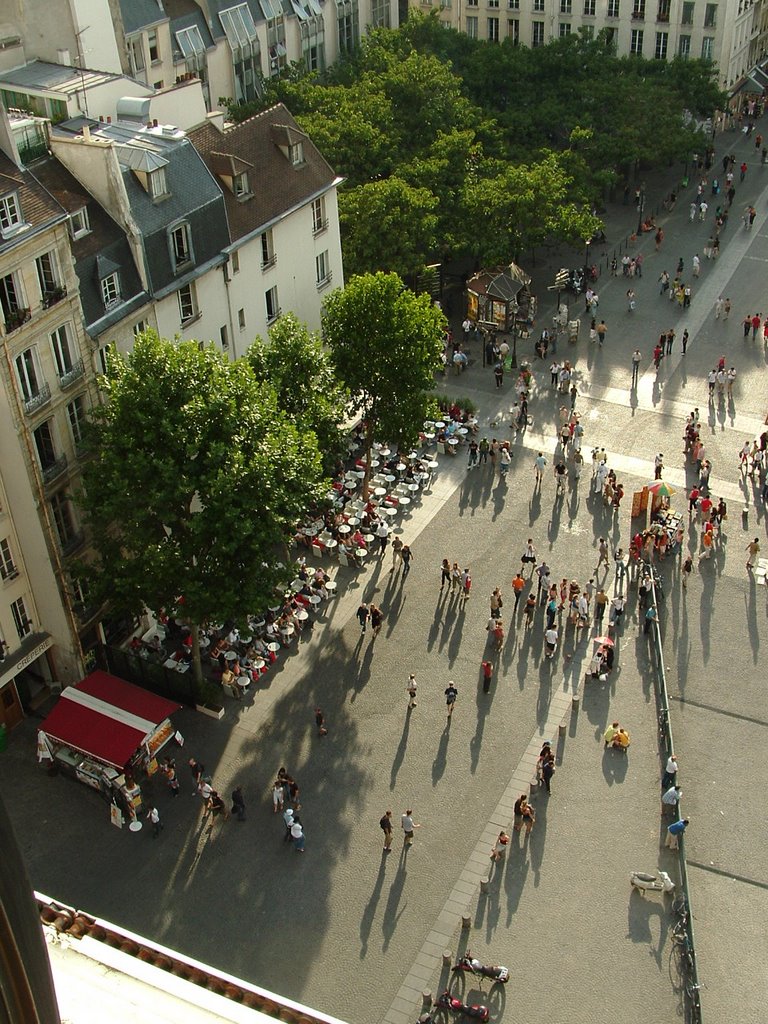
[387, 225]
[295, 364]
[385, 342]
[524, 206]
[197, 479]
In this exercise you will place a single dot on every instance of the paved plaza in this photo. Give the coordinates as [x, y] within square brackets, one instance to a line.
[359, 934]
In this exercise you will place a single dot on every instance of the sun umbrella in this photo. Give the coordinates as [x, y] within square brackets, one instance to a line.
[604, 641]
[661, 488]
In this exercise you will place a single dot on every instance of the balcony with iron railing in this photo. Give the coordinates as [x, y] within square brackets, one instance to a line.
[54, 469]
[269, 263]
[74, 373]
[320, 227]
[38, 400]
[8, 572]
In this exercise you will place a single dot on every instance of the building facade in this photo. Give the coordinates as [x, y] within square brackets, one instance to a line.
[732, 33]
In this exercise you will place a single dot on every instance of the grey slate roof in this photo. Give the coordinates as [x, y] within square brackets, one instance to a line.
[106, 241]
[40, 74]
[194, 198]
[139, 14]
[184, 14]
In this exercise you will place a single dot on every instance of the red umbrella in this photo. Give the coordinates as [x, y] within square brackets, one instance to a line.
[604, 641]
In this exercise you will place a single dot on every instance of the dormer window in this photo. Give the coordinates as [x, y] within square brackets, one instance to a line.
[10, 214]
[296, 154]
[181, 246]
[110, 290]
[156, 183]
[240, 185]
[79, 224]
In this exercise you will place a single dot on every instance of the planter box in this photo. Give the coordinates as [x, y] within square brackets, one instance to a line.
[212, 710]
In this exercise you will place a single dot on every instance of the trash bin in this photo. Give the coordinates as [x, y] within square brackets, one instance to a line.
[3, 738]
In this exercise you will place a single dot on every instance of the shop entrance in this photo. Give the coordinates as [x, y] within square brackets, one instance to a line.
[11, 711]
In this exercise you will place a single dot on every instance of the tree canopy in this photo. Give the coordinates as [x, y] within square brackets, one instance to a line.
[197, 478]
[457, 119]
[294, 363]
[385, 343]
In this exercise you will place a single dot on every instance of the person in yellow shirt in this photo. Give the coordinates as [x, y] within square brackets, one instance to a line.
[610, 732]
[621, 739]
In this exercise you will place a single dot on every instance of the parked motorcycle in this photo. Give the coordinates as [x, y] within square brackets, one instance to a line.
[472, 965]
[477, 1010]
[658, 882]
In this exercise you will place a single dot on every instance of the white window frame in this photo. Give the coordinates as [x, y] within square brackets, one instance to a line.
[153, 43]
[61, 509]
[661, 46]
[471, 26]
[21, 618]
[323, 272]
[181, 245]
[64, 355]
[79, 224]
[636, 40]
[268, 254]
[492, 27]
[272, 304]
[296, 153]
[537, 30]
[77, 416]
[241, 186]
[10, 214]
[8, 570]
[47, 267]
[241, 318]
[319, 220]
[110, 290]
[188, 311]
[157, 186]
[29, 373]
[136, 49]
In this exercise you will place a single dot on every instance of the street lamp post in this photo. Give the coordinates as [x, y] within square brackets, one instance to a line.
[640, 208]
[514, 308]
[587, 244]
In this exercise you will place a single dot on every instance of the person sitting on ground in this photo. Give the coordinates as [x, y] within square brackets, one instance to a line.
[610, 732]
[620, 740]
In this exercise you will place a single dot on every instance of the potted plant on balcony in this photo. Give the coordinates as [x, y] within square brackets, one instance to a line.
[16, 319]
[54, 295]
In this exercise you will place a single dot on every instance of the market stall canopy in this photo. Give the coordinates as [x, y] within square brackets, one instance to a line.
[106, 718]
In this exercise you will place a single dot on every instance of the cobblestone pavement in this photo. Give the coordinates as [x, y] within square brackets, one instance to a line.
[360, 934]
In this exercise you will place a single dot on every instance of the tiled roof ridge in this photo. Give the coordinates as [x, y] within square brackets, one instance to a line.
[74, 924]
[263, 113]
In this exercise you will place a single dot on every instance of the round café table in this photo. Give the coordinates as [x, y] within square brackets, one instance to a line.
[330, 586]
[331, 544]
[259, 664]
[353, 521]
[390, 512]
[302, 614]
[345, 529]
[368, 538]
[432, 465]
[453, 442]
[390, 478]
[380, 492]
[412, 487]
[401, 467]
[439, 424]
[231, 656]
[404, 502]
[273, 646]
[314, 600]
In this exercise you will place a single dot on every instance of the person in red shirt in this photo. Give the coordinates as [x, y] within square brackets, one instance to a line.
[693, 497]
[755, 325]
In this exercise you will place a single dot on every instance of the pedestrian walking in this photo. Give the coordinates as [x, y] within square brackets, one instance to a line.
[674, 831]
[602, 330]
[686, 571]
[385, 824]
[407, 558]
[498, 372]
[298, 836]
[524, 815]
[685, 340]
[530, 608]
[505, 458]
[278, 796]
[539, 464]
[154, 817]
[483, 449]
[518, 585]
[636, 360]
[718, 307]
[455, 577]
[288, 820]
[487, 668]
[411, 690]
[670, 772]
[651, 616]
[726, 308]
[238, 803]
[198, 771]
[696, 265]
[753, 549]
[377, 618]
[601, 600]
[658, 466]
[466, 584]
[408, 826]
[603, 551]
[547, 771]
[216, 807]
[496, 603]
[363, 613]
[382, 533]
[451, 693]
[397, 553]
[322, 729]
[473, 452]
[445, 574]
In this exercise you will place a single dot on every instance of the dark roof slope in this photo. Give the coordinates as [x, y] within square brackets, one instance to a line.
[106, 238]
[276, 185]
[138, 14]
[38, 208]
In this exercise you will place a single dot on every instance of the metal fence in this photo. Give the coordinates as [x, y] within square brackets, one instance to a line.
[150, 675]
[689, 967]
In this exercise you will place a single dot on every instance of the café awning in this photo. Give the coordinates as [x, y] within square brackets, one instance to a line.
[106, 718]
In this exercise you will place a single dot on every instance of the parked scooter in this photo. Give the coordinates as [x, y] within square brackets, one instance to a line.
[472, 965]
[658, 882]
[477, 1010]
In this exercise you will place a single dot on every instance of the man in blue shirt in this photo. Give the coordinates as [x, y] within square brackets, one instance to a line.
[650, 616]
[673, 831]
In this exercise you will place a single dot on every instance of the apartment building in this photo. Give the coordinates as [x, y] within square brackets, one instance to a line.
[281, 199]
[230, 46]
[732, 33]
[46, 390]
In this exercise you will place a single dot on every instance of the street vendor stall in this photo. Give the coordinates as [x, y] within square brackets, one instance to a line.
[105, 731]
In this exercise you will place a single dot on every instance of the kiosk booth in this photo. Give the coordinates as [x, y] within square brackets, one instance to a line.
[104, 732]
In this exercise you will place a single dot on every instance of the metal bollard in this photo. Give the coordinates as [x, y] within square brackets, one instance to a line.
[426, 999]
[561, 729]
[466, 922]
[447, 958]
[484, 883]
[575, 700]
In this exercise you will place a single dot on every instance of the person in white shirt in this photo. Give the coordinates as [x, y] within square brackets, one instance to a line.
[550, 638]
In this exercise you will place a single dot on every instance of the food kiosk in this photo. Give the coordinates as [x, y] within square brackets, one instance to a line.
[105, 732]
